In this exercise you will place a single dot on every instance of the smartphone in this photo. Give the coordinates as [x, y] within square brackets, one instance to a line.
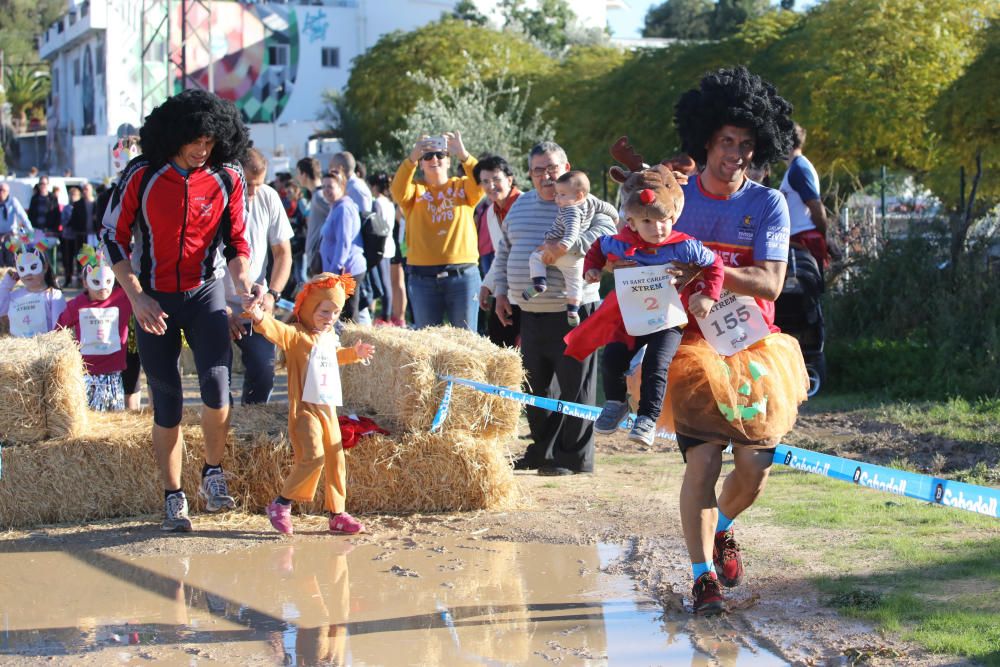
[438, 143]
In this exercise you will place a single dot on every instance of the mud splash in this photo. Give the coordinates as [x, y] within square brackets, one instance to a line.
[400, 602]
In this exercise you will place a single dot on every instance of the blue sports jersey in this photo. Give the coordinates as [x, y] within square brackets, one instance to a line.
[749, 225]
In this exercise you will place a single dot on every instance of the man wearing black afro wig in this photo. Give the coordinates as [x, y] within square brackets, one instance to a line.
[176, 216]
[735, 378]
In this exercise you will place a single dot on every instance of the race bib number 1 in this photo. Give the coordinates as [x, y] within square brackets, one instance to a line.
[322, 383]
[734, 323]
[648, 300]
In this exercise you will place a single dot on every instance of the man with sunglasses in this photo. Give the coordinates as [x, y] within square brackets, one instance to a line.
[561, 445]
[442, 261]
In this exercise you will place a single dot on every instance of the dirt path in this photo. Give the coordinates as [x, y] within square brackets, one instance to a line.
[626, 503]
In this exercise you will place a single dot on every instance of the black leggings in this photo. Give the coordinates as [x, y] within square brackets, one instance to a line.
[201, 314]
[660, 349]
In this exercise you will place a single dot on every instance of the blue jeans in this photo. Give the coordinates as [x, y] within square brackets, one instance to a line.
[258, 367]
[436, 291]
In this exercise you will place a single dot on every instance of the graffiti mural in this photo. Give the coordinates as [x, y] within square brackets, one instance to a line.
[255, 49]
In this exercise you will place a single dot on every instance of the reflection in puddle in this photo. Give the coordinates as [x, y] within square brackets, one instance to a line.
[404, 601]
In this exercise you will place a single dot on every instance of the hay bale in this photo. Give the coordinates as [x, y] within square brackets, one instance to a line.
[42, 394]
[110, 472]
[402, 385]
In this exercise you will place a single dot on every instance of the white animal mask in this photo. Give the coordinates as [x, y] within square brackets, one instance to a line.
[29, 263]
[101, 278]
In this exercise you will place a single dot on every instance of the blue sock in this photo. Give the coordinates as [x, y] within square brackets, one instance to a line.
[701, 568]
[724, 523]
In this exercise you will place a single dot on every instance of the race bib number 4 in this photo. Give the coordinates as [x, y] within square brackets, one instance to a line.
[99, 331]
[648, 300]
[322, 383]
[734, 323]
[27, 316]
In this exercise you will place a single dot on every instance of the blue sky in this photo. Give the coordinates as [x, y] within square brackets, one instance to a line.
[626, 23]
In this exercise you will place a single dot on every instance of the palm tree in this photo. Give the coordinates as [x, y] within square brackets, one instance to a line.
[24, 89]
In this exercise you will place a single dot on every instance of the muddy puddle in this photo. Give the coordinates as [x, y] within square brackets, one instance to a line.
[399, 602]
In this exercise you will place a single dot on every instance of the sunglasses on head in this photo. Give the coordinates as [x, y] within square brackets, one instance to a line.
[434, 154]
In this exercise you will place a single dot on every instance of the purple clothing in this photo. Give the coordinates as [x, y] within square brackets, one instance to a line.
[340, 243]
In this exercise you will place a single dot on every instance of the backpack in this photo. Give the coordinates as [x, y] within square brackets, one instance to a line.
[374, 231]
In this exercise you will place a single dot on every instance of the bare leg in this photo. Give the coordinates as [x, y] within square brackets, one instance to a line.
[133, 401]
[167, 448]
[398, 282]
[215, 426]
[698, 504]
[746, 481]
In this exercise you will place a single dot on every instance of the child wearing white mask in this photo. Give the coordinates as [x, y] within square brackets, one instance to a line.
[99, 320]
[35, 307]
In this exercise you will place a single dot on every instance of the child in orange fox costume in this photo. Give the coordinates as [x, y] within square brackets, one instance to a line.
[312, 355]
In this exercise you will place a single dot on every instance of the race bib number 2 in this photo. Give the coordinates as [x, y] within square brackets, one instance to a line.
[734, 324]
[648, 300]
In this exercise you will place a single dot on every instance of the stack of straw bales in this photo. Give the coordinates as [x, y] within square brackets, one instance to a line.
[110, 471]
[42, 395]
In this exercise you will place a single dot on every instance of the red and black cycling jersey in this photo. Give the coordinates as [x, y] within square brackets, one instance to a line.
[172, 225]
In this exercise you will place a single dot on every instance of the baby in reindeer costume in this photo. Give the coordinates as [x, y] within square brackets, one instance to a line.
[312, 355]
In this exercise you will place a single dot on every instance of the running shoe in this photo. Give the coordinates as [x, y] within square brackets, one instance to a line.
[611, 415]
[345, 524]
[176, 511]
[215, 492]
[280, 516]
[727, 559]
[707, 596]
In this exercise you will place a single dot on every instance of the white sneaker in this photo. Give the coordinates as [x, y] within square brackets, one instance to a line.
[215, 492]
[176, 520]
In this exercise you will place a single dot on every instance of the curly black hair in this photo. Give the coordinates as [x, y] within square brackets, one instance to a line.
[189, 115]
[740, 98]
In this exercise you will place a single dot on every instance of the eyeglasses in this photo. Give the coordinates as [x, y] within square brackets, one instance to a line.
[440, 155]
[551, 170]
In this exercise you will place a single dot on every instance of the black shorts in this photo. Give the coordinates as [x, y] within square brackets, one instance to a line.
[685, 443]
[201, 314]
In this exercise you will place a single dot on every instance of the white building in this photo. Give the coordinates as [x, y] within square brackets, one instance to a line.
[112, 61]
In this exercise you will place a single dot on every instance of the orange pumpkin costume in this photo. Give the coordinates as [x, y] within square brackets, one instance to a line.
[313, 428]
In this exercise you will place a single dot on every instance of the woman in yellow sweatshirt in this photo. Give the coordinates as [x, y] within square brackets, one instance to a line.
[312, 357]
[442, 259]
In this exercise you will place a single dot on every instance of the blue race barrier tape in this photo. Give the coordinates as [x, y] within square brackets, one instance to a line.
[978, 499]
[580, 410]
[969, 497]
[442, 411]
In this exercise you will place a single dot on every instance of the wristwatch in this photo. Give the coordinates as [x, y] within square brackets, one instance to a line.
[275, 294]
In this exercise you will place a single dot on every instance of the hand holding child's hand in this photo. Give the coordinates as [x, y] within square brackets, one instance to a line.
[364, 350]
[592, 276]
[700, 305]
[255, 313]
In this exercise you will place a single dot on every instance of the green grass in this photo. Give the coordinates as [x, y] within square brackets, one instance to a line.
[930, 573]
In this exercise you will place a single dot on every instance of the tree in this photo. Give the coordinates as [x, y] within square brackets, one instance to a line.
[26, 88]
[729, 15]
[863, 75]
[489, 108]
[22, 22]
[549, 22]
[466, 10]
[679, 19]
[380, 93]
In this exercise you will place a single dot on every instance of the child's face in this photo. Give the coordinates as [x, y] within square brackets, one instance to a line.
[650, 230]
[31, 270]
[568, 195]
[326, 315]
[100, 282]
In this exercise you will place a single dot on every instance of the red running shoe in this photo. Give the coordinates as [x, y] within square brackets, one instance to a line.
[727, 559]
[707, 594]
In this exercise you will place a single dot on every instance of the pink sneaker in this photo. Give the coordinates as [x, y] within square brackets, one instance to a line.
[281, 517]
[345, 523]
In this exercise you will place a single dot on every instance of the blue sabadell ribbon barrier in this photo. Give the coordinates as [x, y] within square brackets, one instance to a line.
[950, 493]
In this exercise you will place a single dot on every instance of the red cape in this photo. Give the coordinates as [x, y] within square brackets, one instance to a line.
[605, 325]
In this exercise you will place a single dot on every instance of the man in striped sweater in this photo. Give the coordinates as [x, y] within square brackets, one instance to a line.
[561, 445]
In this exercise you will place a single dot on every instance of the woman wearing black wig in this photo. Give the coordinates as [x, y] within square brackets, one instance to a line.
[174, 209]
[748, 395]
